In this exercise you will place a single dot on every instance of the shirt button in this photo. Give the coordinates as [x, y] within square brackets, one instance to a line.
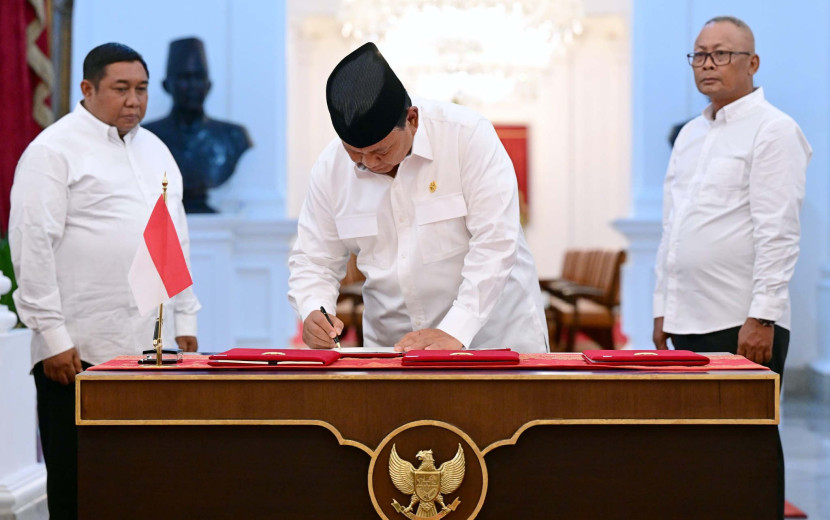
[403, 256]
[417, 323]
[401, 220]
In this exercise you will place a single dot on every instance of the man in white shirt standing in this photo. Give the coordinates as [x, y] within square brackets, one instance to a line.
[82, 193]
[731, 203]
[426, 196]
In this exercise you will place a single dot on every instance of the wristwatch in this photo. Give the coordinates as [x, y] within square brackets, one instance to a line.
[765, 323]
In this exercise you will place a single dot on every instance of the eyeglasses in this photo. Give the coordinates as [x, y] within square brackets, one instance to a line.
[698, 59]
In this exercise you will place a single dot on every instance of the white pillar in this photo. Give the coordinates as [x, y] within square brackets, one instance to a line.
[22, 478]
[638, 279]
[819, 370]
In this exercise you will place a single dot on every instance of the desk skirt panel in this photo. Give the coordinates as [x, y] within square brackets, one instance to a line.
[568, 471]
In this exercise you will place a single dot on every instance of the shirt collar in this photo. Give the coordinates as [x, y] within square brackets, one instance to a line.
[101, 128]
[421, 145]
[738, 108]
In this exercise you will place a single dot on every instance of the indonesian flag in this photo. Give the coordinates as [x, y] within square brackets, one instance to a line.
[159, 271]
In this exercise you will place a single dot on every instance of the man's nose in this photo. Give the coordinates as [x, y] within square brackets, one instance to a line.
[370, 160]
[132, 98]
[709, 62]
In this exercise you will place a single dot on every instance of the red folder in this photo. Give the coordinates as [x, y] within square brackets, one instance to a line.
[644, 357]
[273, 356]
[460, 358]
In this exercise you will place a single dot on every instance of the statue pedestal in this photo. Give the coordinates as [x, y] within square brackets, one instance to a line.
[240, 275]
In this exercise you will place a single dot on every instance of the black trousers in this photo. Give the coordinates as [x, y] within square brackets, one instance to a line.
[727, 341]
[59, 439]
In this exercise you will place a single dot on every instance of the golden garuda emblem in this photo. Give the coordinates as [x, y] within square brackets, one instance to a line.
[427, 485]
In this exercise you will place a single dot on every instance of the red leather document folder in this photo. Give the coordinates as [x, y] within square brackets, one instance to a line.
[644, 357]
[460, 358]
[274, 356]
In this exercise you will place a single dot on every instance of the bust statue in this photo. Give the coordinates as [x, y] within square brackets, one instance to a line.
[205, 149]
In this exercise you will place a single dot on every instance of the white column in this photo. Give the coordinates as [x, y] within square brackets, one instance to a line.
[638, 279]
[819, 370]
[22, 478]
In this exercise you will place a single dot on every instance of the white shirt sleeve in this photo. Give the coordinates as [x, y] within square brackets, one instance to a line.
[659, 304]
[39, 200]
[491, 194]
[776, 191]
[318, 260]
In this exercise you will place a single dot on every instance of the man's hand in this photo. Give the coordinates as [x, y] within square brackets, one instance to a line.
[427, 339]
[755, 341]
[62, 367]
[317, 333]
[187, 343]
[658, 336]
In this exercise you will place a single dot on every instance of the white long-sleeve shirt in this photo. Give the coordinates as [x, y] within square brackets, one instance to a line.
[454, 258]
[731, 203]
[79, 203]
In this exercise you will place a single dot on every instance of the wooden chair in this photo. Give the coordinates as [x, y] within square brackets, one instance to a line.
[350, 300]
[585, 298]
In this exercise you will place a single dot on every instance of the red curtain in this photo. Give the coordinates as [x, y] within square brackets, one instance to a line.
[22, 70]
[514, 139]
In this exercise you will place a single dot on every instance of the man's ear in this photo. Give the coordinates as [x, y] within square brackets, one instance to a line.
[209, 85]
[412, 116]
[754, 64]
[87, 88]
[165, 85]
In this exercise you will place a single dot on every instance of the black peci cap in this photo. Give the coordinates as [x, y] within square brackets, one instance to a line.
[365, 97]
[183, 50]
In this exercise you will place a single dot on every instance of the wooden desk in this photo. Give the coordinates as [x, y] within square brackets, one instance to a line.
[538, 445]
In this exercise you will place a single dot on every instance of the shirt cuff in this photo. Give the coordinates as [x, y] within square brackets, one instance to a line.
[658, 306]
[57, 340]
[308, 308]
[461, 325]
[185, 324]
[767, 307]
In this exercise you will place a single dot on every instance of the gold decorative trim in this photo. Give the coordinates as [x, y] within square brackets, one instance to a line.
[40, 64]
[634, 422]
[438, 424]
[777, 399]
[487, 375]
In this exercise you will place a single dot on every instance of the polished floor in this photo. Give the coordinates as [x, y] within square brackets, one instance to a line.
[805, 433]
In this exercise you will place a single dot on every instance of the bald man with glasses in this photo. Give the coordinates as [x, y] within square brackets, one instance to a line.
[731, 203]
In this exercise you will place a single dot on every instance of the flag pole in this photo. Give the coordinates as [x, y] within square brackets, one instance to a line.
[157, 340]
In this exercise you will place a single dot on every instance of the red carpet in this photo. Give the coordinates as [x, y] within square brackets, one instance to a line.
[790, 511]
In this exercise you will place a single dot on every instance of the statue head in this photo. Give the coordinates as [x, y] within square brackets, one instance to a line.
[187, 74]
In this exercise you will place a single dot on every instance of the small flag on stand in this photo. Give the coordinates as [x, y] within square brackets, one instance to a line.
[159, 270]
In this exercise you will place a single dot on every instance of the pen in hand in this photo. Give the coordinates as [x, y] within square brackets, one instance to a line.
[336, 338]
